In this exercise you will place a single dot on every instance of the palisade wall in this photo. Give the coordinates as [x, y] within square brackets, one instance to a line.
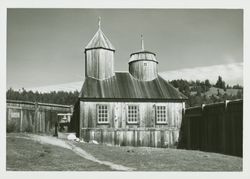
[24, 116]
[214, 128]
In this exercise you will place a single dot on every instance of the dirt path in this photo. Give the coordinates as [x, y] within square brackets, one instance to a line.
[77, 150]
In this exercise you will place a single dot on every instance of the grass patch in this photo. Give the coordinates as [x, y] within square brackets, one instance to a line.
[159, 159]
[28, 155]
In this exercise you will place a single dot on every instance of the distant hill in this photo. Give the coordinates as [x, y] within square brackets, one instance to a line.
[214, 91]
[203, 92]
[232, 73]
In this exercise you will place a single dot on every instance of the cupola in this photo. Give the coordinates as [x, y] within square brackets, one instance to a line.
[99, 56]
[143, 64]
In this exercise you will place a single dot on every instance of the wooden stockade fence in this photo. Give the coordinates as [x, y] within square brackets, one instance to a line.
[214, 128]
[24, 116]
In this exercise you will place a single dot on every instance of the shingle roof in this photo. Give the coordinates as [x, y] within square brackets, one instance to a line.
[99, 41]
[125, 86]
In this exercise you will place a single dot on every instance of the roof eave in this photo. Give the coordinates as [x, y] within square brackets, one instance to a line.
[143, 60]
[94, 48]
[93, 99]
[142, 52]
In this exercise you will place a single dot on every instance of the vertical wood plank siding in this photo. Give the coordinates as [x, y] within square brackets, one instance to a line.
[25, 116]
[143, 70]
[118, 132]
[214, 128]
[100, 63]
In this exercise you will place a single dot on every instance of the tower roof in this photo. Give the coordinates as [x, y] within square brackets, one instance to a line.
[142, 54]
[100, 40]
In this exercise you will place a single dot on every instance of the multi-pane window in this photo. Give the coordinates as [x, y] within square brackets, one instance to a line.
[133, 114]
[161, 116]
[102, 114]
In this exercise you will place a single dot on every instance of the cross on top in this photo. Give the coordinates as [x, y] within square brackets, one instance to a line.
[99, 22]
[142, 43]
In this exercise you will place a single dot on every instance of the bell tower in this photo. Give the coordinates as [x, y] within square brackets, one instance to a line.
[99, 56]
[143, 64]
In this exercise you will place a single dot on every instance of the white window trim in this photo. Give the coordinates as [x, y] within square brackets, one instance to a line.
[97, 108]
[156, 118]
[138, 114]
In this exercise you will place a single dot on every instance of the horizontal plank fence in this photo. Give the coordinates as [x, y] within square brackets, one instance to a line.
[214, 128]
[25, 116]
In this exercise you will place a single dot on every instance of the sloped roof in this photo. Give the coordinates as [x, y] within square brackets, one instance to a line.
[125, 86]
[100, 41]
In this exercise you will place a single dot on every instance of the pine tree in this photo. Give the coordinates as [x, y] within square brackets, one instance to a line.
[220, 83]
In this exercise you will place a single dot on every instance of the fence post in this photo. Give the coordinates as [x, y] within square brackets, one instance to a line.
[203, 130]
[71, 109]
[224, 130]
[183, 109]
[226, 102]
[21, 120]
[36, 117]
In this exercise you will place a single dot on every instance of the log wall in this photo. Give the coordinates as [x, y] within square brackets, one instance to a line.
[23, 116]
[214, 128]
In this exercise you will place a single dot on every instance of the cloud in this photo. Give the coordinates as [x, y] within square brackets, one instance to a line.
[231, 73]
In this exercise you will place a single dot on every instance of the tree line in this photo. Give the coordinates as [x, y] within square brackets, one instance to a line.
[194, 90]
[60, 97]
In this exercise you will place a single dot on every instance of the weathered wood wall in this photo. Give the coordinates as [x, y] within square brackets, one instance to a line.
[143, 70]
[99, 63]
[118, 132]
[214, 128]
[147, 137]
[75, 119]
[23, 116]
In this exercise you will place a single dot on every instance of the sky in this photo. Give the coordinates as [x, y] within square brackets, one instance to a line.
[45, 47]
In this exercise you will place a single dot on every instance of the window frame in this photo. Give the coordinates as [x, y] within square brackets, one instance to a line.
[128, 114]
[157, 121]
[98, 112]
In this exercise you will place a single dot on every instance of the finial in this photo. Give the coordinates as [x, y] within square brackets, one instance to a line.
[99, 22]
[142, 43]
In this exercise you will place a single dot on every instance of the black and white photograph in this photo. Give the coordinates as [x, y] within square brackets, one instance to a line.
[124, 90]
